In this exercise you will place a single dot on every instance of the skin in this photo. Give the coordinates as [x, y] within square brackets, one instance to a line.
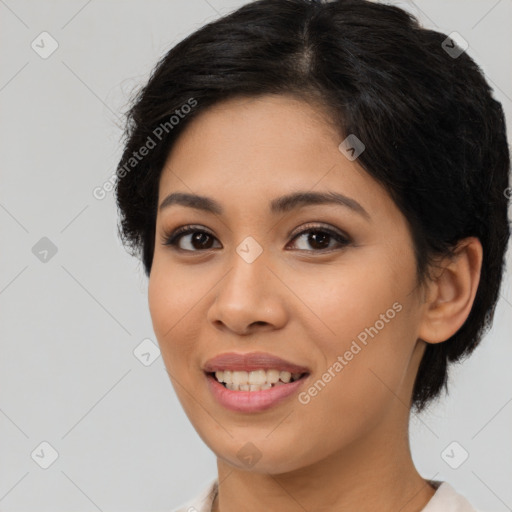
[348, 448]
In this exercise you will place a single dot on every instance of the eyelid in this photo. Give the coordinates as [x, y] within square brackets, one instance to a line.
[319, 226]
[172, 238]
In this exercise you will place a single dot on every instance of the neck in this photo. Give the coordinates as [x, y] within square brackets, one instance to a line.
[375, 472]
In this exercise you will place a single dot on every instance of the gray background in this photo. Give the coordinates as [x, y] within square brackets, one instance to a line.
[70, 324]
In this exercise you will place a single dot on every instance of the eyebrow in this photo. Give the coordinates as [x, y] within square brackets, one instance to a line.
[281, 204]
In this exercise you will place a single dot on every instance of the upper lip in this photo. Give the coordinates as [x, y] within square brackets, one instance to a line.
[250, 362]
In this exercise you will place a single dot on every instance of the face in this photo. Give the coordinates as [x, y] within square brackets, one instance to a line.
[328, 286]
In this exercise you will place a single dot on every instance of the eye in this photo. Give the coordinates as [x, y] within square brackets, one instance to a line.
[201, 239]
[319, 237]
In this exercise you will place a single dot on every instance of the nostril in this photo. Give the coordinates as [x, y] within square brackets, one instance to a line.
[259, 322]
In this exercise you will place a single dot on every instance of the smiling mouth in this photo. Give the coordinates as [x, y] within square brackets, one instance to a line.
[258, 380]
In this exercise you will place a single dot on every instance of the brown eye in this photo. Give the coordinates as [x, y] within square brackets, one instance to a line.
[319, 238]
[199, 239]
[196, 239]
[203, 240]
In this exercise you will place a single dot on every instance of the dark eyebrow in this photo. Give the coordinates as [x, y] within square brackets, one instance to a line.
[281, 204]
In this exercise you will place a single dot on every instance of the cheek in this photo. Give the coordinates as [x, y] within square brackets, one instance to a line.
[173, 291]
[367, 319]
[347, 299]
[171, 299]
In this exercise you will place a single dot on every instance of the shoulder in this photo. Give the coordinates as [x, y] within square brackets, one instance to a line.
[203, 502]
[447, 499]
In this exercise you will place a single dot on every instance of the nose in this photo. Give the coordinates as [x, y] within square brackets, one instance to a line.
[249, 299]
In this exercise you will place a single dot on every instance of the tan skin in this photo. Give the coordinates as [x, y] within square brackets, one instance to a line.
[348, 448]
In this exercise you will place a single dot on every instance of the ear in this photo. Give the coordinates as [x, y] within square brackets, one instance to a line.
[451, 293]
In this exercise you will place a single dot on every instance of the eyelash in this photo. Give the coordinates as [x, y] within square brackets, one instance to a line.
[172, 239]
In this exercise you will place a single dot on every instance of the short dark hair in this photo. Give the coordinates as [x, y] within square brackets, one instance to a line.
[435, 137]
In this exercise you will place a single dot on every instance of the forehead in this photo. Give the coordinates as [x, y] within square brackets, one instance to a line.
[246, 149]
[256, 128]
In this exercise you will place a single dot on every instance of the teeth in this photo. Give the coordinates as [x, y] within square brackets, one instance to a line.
[273, 376]
[257, 377]
[255, 387]
[240, 378]
[256, 380]
[285, 377]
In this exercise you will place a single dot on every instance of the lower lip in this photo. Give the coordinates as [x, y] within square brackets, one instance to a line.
[252, 401]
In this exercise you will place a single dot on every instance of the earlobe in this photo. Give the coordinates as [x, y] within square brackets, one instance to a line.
[452, 292]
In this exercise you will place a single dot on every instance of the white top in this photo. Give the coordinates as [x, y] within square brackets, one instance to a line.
[445, 499]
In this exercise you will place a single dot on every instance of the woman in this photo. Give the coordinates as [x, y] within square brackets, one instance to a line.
[318, 194]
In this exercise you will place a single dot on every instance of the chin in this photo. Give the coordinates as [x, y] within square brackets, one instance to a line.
[259, 456]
